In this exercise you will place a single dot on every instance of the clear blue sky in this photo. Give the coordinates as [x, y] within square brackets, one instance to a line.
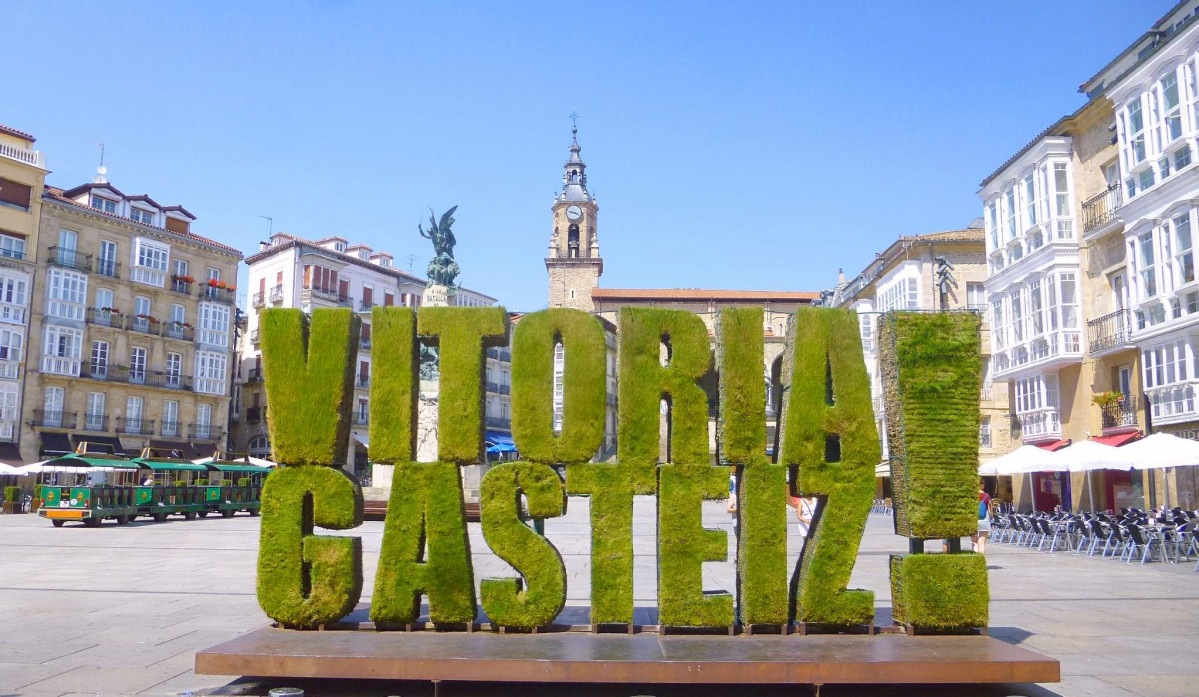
[731, 145]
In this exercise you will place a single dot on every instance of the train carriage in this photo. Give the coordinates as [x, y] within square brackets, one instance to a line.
[88, 486]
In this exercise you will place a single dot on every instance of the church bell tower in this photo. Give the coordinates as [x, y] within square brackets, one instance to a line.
[574, 262]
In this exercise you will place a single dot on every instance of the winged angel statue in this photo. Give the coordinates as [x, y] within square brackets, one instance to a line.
[442, 268]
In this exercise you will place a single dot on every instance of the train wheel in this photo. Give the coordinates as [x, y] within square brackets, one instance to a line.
[189, 515]
[57, 523]
[203, 514]
[122, 520]
[159, 517]
[91, 522]
[228, 512]
[254, 512]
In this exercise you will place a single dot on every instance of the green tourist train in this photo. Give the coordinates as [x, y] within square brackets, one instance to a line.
[89, 487]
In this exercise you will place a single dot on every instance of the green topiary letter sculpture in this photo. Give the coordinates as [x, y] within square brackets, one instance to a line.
[537, 601]
[829, 434]
[932, 373]
[762, 490]
[307, 580]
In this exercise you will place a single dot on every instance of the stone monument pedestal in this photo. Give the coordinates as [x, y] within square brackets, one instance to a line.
[426, 414]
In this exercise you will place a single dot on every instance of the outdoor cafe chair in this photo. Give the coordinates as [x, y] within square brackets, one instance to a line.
[1145, 541]
[1116, 536]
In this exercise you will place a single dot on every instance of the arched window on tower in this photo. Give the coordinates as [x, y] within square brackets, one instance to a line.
[572, 242]
[574, 176]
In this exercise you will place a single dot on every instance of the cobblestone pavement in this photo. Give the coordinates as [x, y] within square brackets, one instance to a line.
[122, 610]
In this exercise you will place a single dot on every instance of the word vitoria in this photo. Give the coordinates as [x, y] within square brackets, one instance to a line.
[827, 447]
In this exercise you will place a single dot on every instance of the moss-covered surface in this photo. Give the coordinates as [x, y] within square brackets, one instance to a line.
[943, 593]
[611, 490]
[762, 491]
[740, 354]
[394, 385]
[645, 382]
[584, 383]
[684, 544]
[835, 447]
[307, 580]
[932, 372]
[461, 334]
[537, 600]
[762, 572]
[425, 511]
[309, 370]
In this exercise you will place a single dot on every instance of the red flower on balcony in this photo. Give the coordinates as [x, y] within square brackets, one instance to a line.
[184, 279]
[148, 318]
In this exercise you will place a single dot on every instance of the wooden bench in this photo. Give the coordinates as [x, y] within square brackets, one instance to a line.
[376, 509]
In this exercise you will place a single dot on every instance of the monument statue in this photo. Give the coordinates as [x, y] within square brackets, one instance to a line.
[442, 267]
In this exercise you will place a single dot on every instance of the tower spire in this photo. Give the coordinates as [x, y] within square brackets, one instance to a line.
[574, 180]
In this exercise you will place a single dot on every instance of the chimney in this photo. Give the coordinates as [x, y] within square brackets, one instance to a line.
[263, 246]
[840, 275]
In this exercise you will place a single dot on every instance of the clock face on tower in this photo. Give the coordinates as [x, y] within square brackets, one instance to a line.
[574, 212]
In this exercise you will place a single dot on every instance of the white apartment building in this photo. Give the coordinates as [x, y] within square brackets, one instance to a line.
[1156, 101]
[291, 272]
[1033, 286]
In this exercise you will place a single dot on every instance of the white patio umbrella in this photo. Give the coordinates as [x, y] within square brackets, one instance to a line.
[1025, 460]
[8, 469]
[1163, 451]
[33, 468]
[1088, 456]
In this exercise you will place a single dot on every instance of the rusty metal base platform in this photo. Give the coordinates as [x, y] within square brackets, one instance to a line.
[577, 657]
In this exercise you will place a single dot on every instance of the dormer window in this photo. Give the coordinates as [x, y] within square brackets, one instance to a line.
[104, 204]
[339, 247]
[141, 216]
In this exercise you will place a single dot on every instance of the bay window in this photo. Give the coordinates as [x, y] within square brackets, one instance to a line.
[13, 299]
[11, 348]
[61, 350]
[1147, 260]
[66, 292]
[149, 262]
[1184, 257]
[210, 372]
[1171, 122]
[214, 324]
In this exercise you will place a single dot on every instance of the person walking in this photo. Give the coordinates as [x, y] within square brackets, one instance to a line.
[984, 521]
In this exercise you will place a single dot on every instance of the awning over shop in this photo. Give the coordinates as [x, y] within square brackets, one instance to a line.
[882, 469]
[182, 447]
[52, 444]
[10, 454]
[204, 449]
[73, 460]
[498, 442]
[105, 441]
[245, 469]
[361, 439]
[1118, 439]
[171, 466]
[1053, 445]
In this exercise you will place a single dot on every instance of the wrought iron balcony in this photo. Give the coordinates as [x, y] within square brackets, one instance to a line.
[95, 422]
[176, 330]
[1110, 331]
[254, 336]
[180, 286]
[104, 317]
[984, 437]
[135, 426]
[497, 422]
[276, 294]
[366, 305]
[70, 259]
[363, 381]
[221, 295]
[204, 431]
[1121, 415]
[1099, 210]
[255, 375]
[170, 428]
[361, 418]
[144, 324]
[53, 419]
[364, 342]
[258, 299]
[108, 267]
[255, 415]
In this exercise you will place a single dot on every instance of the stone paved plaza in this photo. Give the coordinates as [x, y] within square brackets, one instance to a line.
[122, 610]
